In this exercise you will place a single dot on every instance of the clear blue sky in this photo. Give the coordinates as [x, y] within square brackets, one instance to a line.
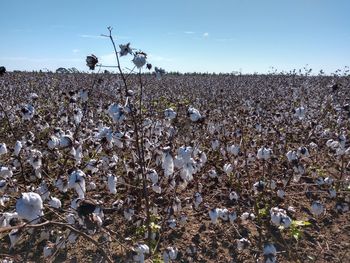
[181, 35]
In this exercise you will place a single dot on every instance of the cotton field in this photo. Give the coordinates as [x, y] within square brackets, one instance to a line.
[174, 168]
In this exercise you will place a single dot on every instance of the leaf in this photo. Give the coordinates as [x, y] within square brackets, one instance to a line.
[300, 223]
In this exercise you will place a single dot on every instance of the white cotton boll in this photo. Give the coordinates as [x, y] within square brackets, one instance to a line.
[48, 251]
[212, 173]
[3, 149]
[242, 244]
[66, 141]
[215, 144]
[279, 217]
[128, 213]
[29, 207]
[228, 168]
[232, 216]
[170, 114]
[91, 186]
[273, 184]
[77, 116]
[332, 193]
[280, 193]
[6, 218]
[112, 184]
[264, 153]
[37, 173]
[78, 155]
[55, 202]
[328, 180]
[194, 114]
[77, 181]
[139, 60]
[70, 218]
[233, 149]
[5, 172]
[84, 95]
[152, 175]
[27, 112]
[172, 223]
[303, 151]
[167, 162]
[60, 185]
[53, 142]
[170, 254]
[198, 199]
[18, 148]
[291, 156]
[14, 236]
[317, 208]
[270, 253]
[72, 237]
[157, 189]
[223, 214]
[244, 218]
[3, 186]
[214, 215]
[313, 145]
[233, 196]
[300, 112]
[43, 191]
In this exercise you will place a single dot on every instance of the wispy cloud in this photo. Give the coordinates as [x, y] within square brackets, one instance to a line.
[76, 51]
[91, 36]
[189, 32]
[206, 34]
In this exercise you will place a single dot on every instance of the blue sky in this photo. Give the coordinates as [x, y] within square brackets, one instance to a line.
[181, 35]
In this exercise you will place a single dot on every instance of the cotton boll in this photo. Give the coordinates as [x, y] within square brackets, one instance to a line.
[156, 188]
[167, 162]
[170, 114]
[317, 208]
[53, 142]
[14, 236]
[48, 250]
[5, 172]
[264, 153]
[233, 196]
[194, 114]
[77, 181]
[214, 215]
[112, 184]
[198, 199]
[152, 175]
[170, 254]
[18, 148]
[242, 244]
[29, 207]
[270, 253]
[6, 218]
[3, 149]
[55, 202]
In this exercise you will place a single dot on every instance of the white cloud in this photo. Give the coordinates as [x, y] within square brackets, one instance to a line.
[76, 51]
[189, 32]
[206, 34]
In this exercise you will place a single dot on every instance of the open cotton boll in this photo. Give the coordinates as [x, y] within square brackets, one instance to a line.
[270, 253]
[141, 250]
[279, 217]
[242, 244]
[214, 215]
[5, 172]
[112, 184]
[77, 181]
[14, 236]
[170, 114]
[152, 175]
[55, 202]
[170, 254]
[18, 148]
[194, 114]
[300, 113]
[3, 148]
[167, 162]
[48, 250]
[6, 218]
[53, 142]
[139, 60]
[116, 112]
[29, 207]
[317, 208]
[264, 153]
